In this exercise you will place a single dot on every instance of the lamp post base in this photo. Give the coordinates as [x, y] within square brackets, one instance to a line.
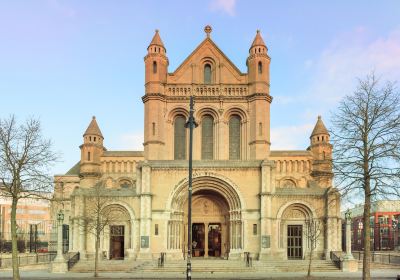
[59, 266]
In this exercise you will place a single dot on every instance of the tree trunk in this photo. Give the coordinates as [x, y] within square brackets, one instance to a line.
[15, 264]
[96, 256]
[367, 237]
[309, 263]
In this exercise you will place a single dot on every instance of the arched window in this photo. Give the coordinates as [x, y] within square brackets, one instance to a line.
[207, 137]
[179, 138]
[154, 67]
[234, 137]
[259, 67]
[207, 74]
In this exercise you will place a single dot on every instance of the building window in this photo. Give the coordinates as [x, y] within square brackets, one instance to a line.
[207, 137]
[207, 74]
[259, 67]
[88, 156]
[260, 129]
[154, 128]
[179, 138]
[254, 229]
[154, 67]
[94, 139]
[234, 137]
[156, 229]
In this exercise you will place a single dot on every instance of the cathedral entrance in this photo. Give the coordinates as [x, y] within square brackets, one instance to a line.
[117, 236]
[294, 242]
[217, 229]
[210, 226]
[206, 242]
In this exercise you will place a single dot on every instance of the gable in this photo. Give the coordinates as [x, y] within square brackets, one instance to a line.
[191, 69]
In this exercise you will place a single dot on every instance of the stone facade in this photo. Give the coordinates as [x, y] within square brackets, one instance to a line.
[246, 197]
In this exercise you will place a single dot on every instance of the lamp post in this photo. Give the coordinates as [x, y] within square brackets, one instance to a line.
[60, 219]
[59, 265]
[348, 255]
[191, 124]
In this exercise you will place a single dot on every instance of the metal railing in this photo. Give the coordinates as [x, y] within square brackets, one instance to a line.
[248, 259]
[161, 259]
[72, 260]
[336, 258]
[379, 257]
[23, 260]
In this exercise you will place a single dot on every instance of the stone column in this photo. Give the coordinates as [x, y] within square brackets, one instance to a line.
[349, 264]
[145, 213]
[59, 265]
[131, 250]
[206, 240]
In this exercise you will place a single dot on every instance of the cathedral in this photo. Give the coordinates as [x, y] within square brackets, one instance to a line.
[247, 197]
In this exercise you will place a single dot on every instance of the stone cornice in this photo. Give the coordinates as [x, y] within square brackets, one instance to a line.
[221, 164]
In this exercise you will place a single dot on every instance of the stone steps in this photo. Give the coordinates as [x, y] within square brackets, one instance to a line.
[205, 266]
[294, 266]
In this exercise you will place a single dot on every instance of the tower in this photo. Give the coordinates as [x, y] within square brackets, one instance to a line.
[322, 154]
[156, 70]
[91, 151]
[260, 100]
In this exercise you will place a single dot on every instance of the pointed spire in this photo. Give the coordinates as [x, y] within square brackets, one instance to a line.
[319, 128]
[157, 40]
[258, 40]
[93, 129]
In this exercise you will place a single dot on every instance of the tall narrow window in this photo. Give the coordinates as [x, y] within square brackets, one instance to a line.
[259, 67]
[207, 137]
[154, 67]
[179, 138]
[154, 128]
[88, 156]
[260, 129]
[234, 137]
[207, 74]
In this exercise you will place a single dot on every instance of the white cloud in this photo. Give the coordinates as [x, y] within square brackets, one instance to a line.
[291, 137]
[131, 141]
[226, 6]
[353, 56]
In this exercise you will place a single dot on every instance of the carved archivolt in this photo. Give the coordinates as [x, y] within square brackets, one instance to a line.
[288, 183]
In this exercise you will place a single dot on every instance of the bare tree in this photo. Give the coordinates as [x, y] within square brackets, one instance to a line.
[366, 141]
[97, 216]
[25, 160]
[312, 233]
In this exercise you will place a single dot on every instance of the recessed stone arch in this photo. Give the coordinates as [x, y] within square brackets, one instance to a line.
[178, 110]
[223, 200]
[208, 110]
[235, 110]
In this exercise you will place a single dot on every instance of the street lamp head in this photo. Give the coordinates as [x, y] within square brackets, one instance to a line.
[347, 214]
[60, 216]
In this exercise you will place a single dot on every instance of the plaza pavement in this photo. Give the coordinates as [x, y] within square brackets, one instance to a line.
[44, 274]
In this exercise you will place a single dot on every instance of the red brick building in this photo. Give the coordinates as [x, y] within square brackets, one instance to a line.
[384, 219]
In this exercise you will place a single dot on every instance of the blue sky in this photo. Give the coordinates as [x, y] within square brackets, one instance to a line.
[64, 61]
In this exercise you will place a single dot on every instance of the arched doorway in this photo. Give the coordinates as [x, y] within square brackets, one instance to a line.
[210, 224]
[116, 237]
[292, 230]
[217, 227]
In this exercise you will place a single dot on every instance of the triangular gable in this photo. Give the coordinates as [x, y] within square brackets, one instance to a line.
[217, 53]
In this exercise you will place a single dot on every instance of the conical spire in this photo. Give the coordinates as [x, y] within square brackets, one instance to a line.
[258, 40]
[93, 129]
[319, 128]
[157, 40]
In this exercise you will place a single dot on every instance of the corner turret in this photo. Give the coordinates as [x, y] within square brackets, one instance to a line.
[322, 154]
[156, 64]
[91, 151]
[258, 65]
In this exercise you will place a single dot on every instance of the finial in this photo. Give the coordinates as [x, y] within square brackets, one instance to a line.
[157, 30]
[319, 117]
[94, 117]
[258, 31]
[208, 30]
